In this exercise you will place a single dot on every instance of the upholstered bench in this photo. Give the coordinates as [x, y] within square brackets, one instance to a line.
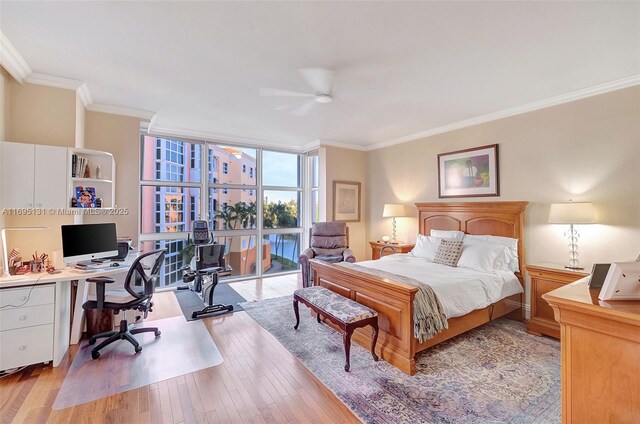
[344, 313]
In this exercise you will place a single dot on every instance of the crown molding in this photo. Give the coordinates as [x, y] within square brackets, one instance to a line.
[119, 110]
[13, 61]
[332, 143]
[53, 81]
[529, 107]
[84, 94]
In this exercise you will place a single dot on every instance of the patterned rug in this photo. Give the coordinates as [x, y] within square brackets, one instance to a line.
[494, 374]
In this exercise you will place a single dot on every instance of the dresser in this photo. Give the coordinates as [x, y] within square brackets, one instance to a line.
[543, 280]
[600, 355]
[377, 246]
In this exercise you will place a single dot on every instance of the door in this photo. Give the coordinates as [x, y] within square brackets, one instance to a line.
[50, 177]
[17, 175]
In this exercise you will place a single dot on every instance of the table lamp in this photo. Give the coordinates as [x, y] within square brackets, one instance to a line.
[5, 254]
[572, 214]
[394, 210]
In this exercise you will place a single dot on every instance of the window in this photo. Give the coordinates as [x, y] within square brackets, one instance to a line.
[173, 194]
[314, 170]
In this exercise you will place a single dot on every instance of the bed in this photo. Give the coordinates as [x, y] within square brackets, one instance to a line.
[393, 299]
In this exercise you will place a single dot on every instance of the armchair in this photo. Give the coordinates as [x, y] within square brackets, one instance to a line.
[328, 241]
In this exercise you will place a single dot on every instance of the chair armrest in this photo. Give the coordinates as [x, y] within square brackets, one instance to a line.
[348, 256]
[100, 284]
[306, 255]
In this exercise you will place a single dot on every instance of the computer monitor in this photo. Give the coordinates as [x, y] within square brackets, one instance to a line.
[84, 242]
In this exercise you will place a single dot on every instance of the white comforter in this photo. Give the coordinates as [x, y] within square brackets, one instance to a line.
[460, 290]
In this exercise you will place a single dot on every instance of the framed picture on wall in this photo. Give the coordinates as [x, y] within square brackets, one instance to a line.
[469, 173]
[346, 201]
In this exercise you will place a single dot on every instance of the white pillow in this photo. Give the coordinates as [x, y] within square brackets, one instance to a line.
[510, 258]
[425, 247]
[481, 255]
[453, 235]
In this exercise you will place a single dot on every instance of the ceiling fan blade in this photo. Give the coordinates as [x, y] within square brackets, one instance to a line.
[304, 108]
[276, 92]
[320, 79]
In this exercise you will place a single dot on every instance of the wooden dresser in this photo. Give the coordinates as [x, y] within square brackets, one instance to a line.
[376, 247]
[543, 280]
[600, 355]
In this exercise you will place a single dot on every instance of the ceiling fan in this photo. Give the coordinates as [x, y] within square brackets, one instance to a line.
[321, 82]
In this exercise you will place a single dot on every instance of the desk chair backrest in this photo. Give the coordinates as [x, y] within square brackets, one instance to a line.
[143, 276]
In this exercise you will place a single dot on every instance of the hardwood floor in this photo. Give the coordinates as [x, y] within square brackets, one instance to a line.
[259, 381]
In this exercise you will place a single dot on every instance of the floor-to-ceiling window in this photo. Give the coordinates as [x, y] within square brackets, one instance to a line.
[251, 197]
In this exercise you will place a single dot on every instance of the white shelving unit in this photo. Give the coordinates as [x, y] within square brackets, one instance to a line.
[105, 186]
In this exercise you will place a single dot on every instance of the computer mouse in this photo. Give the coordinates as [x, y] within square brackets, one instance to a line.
[115, 264]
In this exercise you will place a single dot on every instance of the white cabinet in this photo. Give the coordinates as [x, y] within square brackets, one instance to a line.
[33, 176]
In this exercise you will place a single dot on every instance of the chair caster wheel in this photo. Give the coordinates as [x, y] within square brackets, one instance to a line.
[138, 349]
[92, 341]
[157, 333]
[95, 355]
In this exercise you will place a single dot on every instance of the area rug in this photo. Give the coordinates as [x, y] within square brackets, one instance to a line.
[182, 348]
[224, 294]
[494, 374]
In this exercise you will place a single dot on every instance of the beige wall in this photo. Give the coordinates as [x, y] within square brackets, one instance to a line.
[587, 150]
[346, 165]
[120, 136]
[40, 115]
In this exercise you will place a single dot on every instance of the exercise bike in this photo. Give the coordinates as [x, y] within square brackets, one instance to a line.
[202, 276]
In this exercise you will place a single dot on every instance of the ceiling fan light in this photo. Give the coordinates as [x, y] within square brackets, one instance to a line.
[323, 98]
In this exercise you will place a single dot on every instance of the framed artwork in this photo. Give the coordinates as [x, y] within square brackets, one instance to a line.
[469, 173]
[346, 201]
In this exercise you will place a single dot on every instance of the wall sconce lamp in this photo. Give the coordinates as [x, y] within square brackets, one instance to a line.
[572, 214]
[394, 210]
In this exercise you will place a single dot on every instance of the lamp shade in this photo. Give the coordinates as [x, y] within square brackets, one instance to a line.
[393, 210]
[572, 213]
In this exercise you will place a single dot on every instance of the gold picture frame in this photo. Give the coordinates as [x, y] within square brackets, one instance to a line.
[346, 201]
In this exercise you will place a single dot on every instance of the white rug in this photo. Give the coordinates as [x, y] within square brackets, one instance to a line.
[182, 348]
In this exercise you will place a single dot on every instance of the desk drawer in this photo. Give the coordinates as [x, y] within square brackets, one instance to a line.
[25, 296]
[26, 346]
[12, 318]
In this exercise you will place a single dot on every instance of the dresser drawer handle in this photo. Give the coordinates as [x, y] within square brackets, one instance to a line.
[22, 318]
[23, 347]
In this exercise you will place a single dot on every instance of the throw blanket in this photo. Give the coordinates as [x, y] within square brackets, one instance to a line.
[428, 317]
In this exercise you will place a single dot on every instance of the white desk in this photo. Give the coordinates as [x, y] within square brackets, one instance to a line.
[36, 306]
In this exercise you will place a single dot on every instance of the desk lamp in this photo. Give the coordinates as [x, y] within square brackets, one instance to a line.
[5, 254]
[393, 210]
[572, 214]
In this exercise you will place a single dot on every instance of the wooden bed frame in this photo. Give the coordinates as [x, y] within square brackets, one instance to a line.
[394, 300]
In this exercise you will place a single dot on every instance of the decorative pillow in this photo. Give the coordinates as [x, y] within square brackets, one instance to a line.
[448, 252]
[509, 260]
[482, 255]
[425, 247]
[455, 235]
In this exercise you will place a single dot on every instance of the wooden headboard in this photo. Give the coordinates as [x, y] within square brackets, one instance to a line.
[504, 219]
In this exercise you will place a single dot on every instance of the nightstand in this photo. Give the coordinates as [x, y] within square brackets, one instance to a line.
[543, 280]
[376, 247]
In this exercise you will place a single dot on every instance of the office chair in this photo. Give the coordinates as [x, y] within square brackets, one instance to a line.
[139, 287]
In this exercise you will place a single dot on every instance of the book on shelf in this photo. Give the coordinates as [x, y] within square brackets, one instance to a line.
[85, 197]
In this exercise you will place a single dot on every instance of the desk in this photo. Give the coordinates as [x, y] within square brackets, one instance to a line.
[600, 342]
[35, 323]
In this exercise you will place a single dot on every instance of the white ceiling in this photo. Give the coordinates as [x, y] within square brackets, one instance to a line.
[401, 68]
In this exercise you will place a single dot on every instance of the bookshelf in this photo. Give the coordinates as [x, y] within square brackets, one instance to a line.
[105, 185]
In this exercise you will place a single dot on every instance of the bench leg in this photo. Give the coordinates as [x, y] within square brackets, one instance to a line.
[297, 312]
[346, 338]
[374, 339]
[318, 318]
